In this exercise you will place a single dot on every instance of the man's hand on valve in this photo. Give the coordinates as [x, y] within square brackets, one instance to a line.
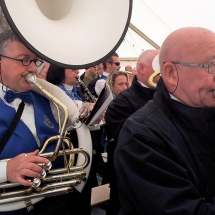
[25, 165]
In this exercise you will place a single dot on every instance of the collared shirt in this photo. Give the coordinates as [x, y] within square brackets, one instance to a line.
[143, 85]
[70, 88]
[100, 84]
[174, 98]
[106, 74]
[26, 118]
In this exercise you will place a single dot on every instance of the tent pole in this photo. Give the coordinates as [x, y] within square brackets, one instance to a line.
[140, 33]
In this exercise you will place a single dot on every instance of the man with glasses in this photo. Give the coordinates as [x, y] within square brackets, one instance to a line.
[165, 155]
[36, 121]
[111, 64]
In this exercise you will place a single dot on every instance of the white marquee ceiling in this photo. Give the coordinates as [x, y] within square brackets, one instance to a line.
[156, 19]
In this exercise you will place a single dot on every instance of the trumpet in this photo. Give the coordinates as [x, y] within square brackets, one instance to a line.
[88, 95]
[53, 182]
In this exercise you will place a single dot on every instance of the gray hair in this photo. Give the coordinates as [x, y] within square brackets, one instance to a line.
[5, 37]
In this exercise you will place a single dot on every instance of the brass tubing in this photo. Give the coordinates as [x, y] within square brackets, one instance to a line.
[58, 191]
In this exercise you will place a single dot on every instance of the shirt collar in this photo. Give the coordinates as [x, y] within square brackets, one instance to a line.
[143, 85]
[2, 93]
[174, 98]
[68, 87]
[105, 74]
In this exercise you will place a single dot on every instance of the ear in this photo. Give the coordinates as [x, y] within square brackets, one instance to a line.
[108, 65]
[170, 75]
[141, 69]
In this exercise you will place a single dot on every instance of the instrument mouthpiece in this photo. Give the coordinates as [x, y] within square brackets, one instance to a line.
[31, 78]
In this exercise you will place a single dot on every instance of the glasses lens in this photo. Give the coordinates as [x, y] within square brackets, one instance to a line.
[117, 63]
[26, 61]
[38, 62]
[212, 68]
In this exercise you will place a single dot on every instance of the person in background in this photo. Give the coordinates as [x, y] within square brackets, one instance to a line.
[165, 155]
[111, 64]
[131, 72]
[117, 81]
[128, 68]
[126, 103]
[43, 71]
[100, 70]
[66, 80]
[90, 75]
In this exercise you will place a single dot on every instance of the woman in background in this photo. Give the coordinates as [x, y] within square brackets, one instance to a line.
[66, 80]
[117, 81]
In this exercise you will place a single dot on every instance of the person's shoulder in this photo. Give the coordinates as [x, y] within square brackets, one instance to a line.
[100, 81]
[93, 82]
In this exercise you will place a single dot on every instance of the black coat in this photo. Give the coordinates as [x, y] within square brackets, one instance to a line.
[126, 103]
[165, 159]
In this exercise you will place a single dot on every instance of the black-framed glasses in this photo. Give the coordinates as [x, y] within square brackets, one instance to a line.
[26, 60]
[209, 66]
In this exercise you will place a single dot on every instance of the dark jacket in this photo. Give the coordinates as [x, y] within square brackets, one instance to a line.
[165, 159]
[91, 85]
[126, 103]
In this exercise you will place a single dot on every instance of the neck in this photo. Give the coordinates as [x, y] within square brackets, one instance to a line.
[68, 87]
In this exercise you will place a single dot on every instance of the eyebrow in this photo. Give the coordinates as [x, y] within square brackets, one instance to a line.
[26, 55]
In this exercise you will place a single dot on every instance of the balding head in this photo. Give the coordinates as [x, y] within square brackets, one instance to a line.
[185, 43]
[144, 65]
[188, 45]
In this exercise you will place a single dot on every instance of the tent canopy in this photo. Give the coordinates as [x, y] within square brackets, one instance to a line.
[157, 19]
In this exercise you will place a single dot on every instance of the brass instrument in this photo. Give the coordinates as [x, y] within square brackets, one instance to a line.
[88, 95]
[128, 73]
[151, 77]
[64, 16]
[156, 68]
[57, 181]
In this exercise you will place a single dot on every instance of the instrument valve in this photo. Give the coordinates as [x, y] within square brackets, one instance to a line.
[36, 182]
[47, 166]
[43, 175]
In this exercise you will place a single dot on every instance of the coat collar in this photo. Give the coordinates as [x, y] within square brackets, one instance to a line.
[191, 118]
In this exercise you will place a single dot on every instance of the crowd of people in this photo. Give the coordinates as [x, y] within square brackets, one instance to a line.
[159, 141]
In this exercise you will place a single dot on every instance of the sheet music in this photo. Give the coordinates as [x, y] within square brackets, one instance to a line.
[101, 104]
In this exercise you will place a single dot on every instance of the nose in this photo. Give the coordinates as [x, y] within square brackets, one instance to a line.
[32, 67]
[125, 86]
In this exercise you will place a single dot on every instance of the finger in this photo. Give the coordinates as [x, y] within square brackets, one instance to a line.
[34, 167]
[37, 159]
[34, 158]
[24, 182]
[28, 173]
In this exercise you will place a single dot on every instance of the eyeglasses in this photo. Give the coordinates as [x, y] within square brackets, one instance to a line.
[116, 63]
[26, 61]
[210, 66]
